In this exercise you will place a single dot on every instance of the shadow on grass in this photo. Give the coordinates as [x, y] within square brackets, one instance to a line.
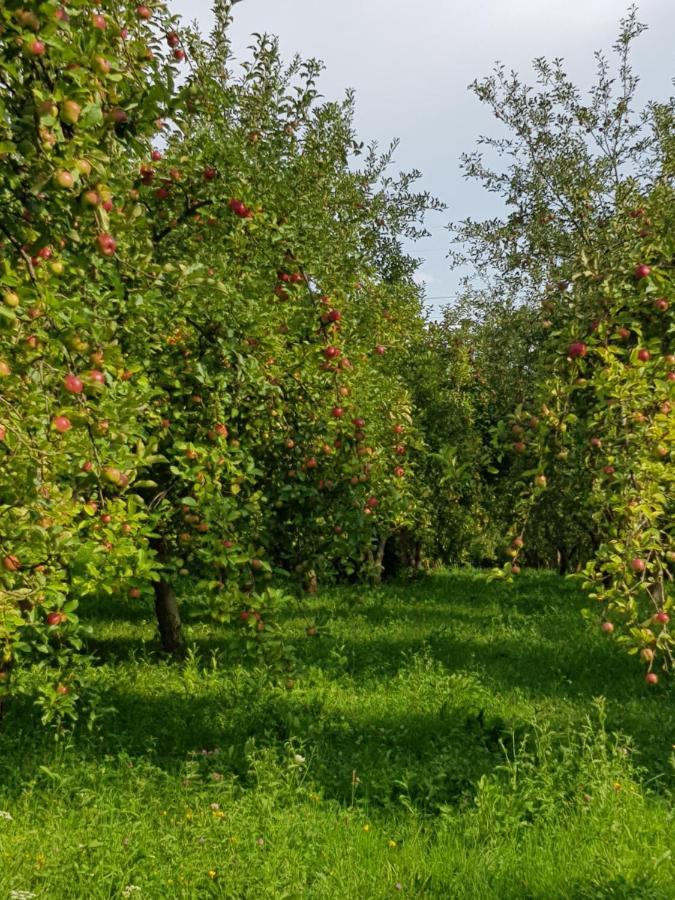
[529, 640]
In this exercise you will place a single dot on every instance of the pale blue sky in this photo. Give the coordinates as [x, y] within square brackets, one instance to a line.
[411, 62]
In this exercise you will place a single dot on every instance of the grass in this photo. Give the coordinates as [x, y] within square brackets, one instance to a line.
[448, 739]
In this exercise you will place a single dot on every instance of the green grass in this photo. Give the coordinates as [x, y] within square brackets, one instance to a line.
[454, 743]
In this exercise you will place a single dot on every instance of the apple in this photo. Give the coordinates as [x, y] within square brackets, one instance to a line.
[515, 569]
[87, 466]
[312, 631]
[399, 471]
[64, 179]
[519, 447]
[106, 244]
[661, 305]
[209, 173]
[643, 355]
[56, 618]
[372, 502]
[652, 678]
[647, 654]
[359, 423]
[244, 615]
[61, 424]
[94, 376]
[179, 54]
[143, 12]
[238, 208]
[540, 481]
[334, 315]
[3, 432]
[11, 563]
[596, 443]
[638, 565]
[609, 470]
[5, 370]
[518, 542]
[380, 349]
[111, 474]
[62, 689]
[337, 412]
[623, 333]
[577, 350]
[311, 463]
[73, 384]
[173, 39]
[331, 352]
[662, 618]
[11, 299]
[36, 48]
[399, 450]
[607, 627]
[642, 271]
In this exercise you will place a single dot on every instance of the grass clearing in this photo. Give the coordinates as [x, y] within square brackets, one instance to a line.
[451, 738]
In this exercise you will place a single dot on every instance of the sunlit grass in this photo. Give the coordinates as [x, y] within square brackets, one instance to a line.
[440, 740]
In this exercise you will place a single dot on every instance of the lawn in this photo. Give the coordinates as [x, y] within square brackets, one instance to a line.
[451, 738]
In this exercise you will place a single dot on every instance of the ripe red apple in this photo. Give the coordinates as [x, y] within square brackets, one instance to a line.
[173, 39]
[519, 447]
[399, 471]
[179, 54]
[331, 352]
[311, 463]
[334, 315]
[577, 350]
[515, 569]
[642, 271]
[662, 618]
[209, 173]
[623, 333]
[337, 412]
[106, 244]
[98, 21]
[143, 12]
[372, 502]
[36, 48]
[607, 627]
[638, 565]
[596, 443]
[73, 384]
[94, 376]
[380, 349]
[609, 470]
[359, 423]
[643, 355]
[61, 424]
[661, 305]
[5, 370]
[652, 678]
[3, 432]
[56, 618]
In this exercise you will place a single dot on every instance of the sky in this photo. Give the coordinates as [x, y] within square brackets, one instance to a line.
[410, 64]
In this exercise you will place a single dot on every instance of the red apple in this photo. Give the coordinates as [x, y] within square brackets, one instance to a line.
[662, 618]
[173, 39]
[643, 355]
[106, 244]
[577, 350]
[98, 21]
[73, 384]
[36, 48]
[331, 352]
[179, 54]
[607, 627]
[652, 678]
[638, 565]
[11, 563]
[143, 12]
[380, 349]
[56, 618]
[337, 412]
[399, 471]
[61, 424]
[661, 305]
[642, 272]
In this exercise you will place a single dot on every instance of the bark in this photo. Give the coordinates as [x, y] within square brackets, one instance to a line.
[310, 584]
[168, 619]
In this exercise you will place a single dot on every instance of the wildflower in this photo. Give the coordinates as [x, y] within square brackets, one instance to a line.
[212, 873]
[188, 815]
[6, 816]
[216, 776]
[392, 844]
[616, 786]
[130, 889]
[398, 886]
[314, 798]
[21, 895]
[298, 760]
[260, 842]
[366, 827]
[215, 806]
[218, 814]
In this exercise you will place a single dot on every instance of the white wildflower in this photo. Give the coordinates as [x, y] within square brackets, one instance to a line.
[5, 815]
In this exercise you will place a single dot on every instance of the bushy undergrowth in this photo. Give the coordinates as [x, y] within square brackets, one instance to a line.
[447, 739]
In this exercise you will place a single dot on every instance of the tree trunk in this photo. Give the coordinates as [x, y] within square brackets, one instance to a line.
[168, 619]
